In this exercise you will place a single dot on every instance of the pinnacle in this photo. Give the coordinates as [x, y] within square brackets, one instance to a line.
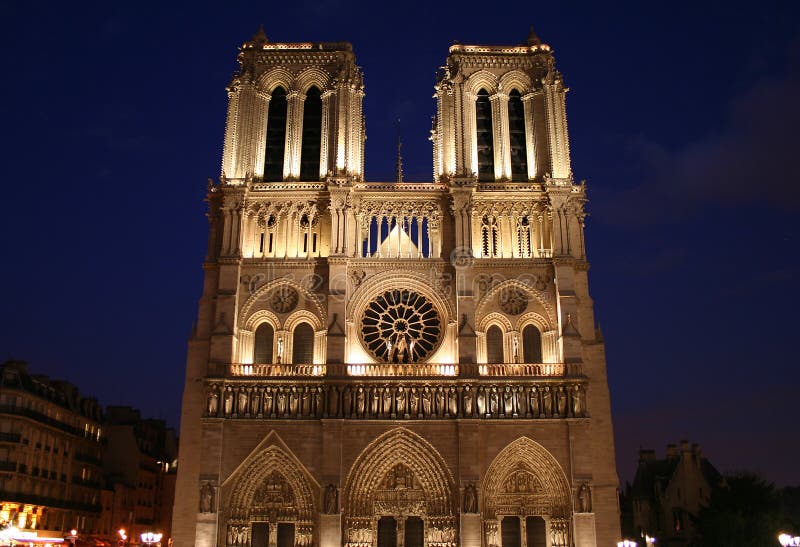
[533, 38]
[260, 36]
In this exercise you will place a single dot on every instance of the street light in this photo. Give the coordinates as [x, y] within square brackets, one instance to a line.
[122, 537]
[151, 538]
[73, 536]
[786, 539]
[626, 543]
[648, 540]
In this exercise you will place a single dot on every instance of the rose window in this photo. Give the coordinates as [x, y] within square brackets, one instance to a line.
[400, 326]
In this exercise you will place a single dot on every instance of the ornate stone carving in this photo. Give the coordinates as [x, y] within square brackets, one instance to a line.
[470, 499]
[284, 299]
[331, 499]
[207, 498]
[513, 300]
[584, 501]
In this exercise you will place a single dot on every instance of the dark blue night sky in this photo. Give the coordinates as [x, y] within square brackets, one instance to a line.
[683, 118]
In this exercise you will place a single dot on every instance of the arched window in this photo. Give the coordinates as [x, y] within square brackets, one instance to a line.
[303, 344]
[524, 237]
[531, 344]
[276, 136]
[494, 345]
[262, 349]
[312, 135]
[485, 135]
[490, 237]
[516, 130]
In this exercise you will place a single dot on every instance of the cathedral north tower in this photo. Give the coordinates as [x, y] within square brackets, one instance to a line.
[396, 364]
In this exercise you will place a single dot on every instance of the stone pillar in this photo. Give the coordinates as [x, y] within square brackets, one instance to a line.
[500, 130]
[470, 136]
[324, 146]
[530, 135]
[557, 126]
[294, 135]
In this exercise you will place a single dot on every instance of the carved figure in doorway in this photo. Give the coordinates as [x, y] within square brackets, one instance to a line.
[584, 499]
[470, 499]
[207, 498]
[331, 499]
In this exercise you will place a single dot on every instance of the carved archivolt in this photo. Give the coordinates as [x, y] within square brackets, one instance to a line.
[390, 280]
[271, 484]
[399, 472]
[261, 298]
[538, 296]
[525, 479]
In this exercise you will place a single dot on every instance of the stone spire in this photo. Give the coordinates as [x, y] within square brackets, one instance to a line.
[533, 38]
[399, 173]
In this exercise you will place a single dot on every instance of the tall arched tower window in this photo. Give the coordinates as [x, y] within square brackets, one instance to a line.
[490, 237]
[312, 135]
[494, 345]
[276, 136]
[516, 128]
[531, 344]
[524, 237]
[303, 344]
[485, 135]
[262, 349]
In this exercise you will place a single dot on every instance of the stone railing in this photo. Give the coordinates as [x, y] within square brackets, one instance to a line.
[395, 398]
[413, 370]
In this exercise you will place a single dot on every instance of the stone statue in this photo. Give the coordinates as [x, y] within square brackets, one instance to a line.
[213, 403]
[561, 400]
[375, 401]
[439, 402]
[584, 499]
[470, 499]
[414, 404]
[255, 404]
[305, 397]
[577, 402]
[318, 401]
[522, 401]
[281, 402]
[400, 401]
[493, 401]
[227, 405]
[331, 501]
[508, 401]
[347, 402]
[452, 401]
[481, 401]
[386, 402]
[361, 402]
[533, 399]
[333, 402]
[294, 401]
[515, 349]
[242, 408]
[547, 402]
[268, 398]
[467, 394]
[426, 401]
[207, 498]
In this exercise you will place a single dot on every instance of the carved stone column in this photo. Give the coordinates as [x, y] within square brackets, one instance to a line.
[557, 126]
[470, 136]
[530, 134]
[294, 135]
[500, 130]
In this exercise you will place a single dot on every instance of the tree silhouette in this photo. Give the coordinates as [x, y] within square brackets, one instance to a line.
[743, 511]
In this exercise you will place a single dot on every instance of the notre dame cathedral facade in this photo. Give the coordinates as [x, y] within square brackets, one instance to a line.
[396, 364]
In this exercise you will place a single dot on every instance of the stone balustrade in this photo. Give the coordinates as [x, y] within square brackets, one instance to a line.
[395, 398]
[410, 370]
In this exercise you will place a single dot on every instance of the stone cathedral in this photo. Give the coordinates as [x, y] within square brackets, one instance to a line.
[396, 364]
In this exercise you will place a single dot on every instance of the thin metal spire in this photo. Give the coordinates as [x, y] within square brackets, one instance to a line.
[399, 173]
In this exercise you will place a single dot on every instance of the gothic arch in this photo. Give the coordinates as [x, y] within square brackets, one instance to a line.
[312, 76]
[482, 79]
[535, 319]
[259, 299]
[271, 483]
[262, 316]
[303, 316]
[515, 79]
[275, 78]
[432, 494]
[525, 478]
[386, 281]
[537, 296]
[495, 318]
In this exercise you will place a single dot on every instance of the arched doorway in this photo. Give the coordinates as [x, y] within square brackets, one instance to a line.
[526, 497]
[271, 502]
[399, 488]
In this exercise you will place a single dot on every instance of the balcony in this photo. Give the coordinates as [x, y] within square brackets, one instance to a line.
[398, 391]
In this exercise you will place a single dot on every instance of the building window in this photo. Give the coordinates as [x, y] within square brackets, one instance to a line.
[312, 135]
[524, 237]
[516, 129]
[531, 344]
[490, 237]
[303, 344]
[276, 136]
[262, 352]
[485, 136]
[494, 345]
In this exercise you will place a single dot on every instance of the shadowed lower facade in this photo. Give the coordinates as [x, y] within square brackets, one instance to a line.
[387, 364]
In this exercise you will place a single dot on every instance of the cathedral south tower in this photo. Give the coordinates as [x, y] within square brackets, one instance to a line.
[396, 364]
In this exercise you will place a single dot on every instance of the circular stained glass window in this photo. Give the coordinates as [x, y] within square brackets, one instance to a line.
[400, 326]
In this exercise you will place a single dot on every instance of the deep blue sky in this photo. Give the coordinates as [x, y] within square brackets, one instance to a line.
[684, 120]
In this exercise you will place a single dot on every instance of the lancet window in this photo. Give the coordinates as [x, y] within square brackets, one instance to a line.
[276, 136]
[303, 344]
[531, 344]
[516, 128]
[494, 345]
[264, 339]
[312, 135]
[310, 238]
[524, 249]
[485, 136]
[490, 237]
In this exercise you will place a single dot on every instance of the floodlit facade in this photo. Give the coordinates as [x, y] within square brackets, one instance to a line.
[383, 364]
